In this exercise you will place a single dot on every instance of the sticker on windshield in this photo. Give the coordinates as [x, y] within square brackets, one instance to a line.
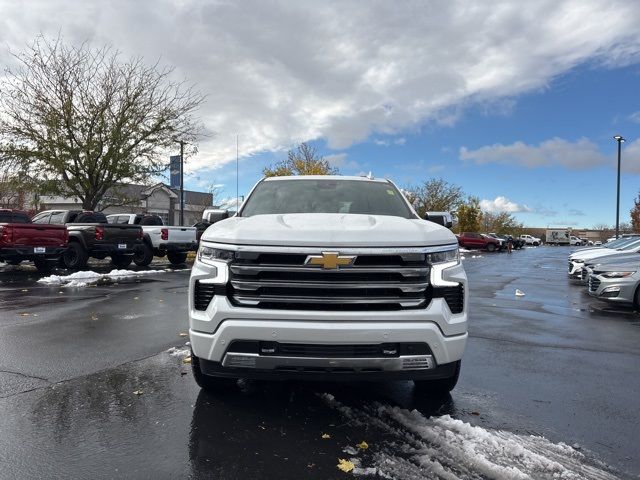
[390, 192]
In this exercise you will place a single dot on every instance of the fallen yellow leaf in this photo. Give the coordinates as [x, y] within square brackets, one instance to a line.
[25, 314]
[24, 290]
[186, 360]
[326, 435]
[183, 334]
[363, 446]
[138, 392]
[345, 465]
[136, 298]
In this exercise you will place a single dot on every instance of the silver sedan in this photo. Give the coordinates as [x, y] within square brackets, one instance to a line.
[616, 283]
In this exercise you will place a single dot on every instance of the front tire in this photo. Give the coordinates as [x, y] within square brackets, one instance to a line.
[177, 258]
[536, 244]
[440, 386]
[491, 247]
[121, 261]
[144, 257]
[207, 382]
[75, 257]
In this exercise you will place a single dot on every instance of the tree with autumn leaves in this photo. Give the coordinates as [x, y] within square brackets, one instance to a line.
[635, 215]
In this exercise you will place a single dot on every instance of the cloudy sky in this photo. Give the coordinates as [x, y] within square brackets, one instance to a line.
[517, 102]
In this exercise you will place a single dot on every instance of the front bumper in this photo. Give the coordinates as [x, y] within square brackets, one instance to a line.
[216, 369]
[614, 290]
[212, 349]
[216, 325]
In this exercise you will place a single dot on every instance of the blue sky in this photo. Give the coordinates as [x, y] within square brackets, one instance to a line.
[516, 102]
[589, 102]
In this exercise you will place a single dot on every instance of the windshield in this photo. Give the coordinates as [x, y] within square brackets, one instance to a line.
[635, 243]
[326, 196]
[619, 242]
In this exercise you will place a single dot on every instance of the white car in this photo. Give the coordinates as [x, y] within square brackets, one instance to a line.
[622, 245]
[327, 277]
[159, 240]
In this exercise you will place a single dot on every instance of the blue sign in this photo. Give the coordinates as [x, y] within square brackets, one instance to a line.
[174, 171]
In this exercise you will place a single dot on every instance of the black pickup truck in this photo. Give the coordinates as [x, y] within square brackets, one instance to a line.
[91, 236]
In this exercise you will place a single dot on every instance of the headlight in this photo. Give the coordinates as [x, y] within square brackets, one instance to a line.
[445, 256]
[617, 274]
[210, 255]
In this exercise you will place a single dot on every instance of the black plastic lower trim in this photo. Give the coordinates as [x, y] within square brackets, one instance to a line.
[216, 369]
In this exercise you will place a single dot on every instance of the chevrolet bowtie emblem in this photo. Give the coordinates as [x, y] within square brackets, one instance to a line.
[330, 260]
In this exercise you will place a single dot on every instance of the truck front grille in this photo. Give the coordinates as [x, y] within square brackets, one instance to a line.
[373, 282]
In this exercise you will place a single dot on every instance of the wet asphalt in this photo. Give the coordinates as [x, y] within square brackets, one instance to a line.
[554, 363]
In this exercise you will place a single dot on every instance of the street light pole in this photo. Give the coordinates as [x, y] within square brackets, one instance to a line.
[619, 139]
[181, 183]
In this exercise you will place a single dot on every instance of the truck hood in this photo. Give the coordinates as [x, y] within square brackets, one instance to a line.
[328, 230]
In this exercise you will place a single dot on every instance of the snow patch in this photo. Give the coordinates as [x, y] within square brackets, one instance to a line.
[447, 448]
[464, 250]
[179, 352]
[84, 278]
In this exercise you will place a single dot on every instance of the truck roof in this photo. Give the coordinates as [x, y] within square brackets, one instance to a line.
[326, 177]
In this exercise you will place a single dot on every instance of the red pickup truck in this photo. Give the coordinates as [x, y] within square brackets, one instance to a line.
[20, 239]
[478, 240]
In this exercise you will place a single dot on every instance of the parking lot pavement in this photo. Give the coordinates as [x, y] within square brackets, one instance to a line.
[548, 387]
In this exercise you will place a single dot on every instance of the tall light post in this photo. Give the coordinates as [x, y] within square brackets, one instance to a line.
[181, 142]
[619, 139]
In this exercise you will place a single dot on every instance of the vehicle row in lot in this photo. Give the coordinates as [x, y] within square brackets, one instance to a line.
[158, 239]
[610, 272]
[20, 239]
[490, 242]
[68, 238]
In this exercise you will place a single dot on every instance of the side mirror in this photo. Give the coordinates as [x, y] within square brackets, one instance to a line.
[215, 216]
[441, 218]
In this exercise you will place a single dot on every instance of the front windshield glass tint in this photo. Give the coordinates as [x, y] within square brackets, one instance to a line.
[633, 244]
[326, 196]
[621, 242]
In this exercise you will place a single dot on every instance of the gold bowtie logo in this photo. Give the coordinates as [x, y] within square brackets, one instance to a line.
[330, 260]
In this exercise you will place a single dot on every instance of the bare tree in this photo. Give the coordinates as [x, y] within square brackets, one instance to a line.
[435, 195]
[303, 160]
[78, 121]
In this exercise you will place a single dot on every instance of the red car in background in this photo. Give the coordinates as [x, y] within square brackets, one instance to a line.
[478, 240]
[20, 240]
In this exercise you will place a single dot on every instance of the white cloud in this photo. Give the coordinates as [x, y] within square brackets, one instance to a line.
[336, 160]
[580, 154]
[634, 117]
[277, 73]
[387, 142]
[436, 168]
[503, 204]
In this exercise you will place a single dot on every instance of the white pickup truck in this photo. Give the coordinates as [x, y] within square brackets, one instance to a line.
[530, 240]
[159, 240]
[327, 278]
